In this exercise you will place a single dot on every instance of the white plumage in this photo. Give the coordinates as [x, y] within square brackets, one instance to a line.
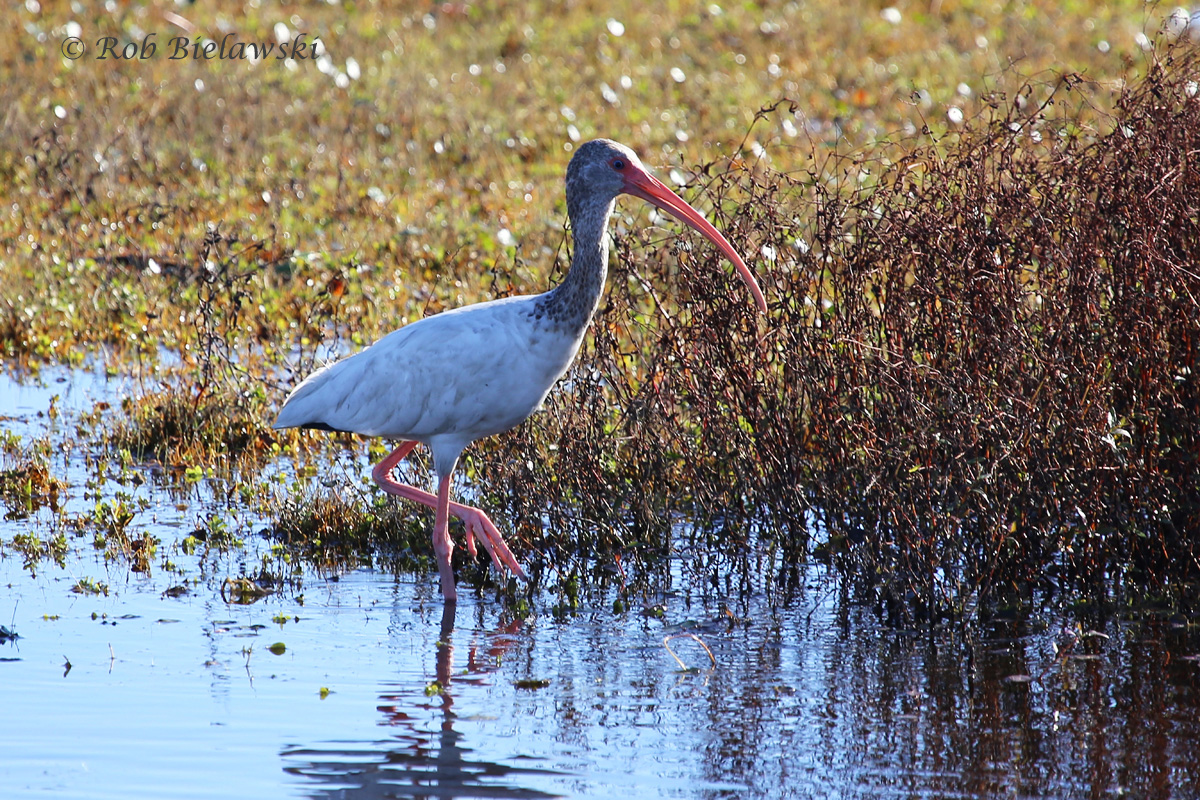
[476, 371]
[398, 388]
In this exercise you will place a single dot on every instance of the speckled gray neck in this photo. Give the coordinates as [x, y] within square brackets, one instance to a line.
[570, 305]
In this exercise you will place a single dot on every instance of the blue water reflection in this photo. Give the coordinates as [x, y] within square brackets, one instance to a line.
[160, 688]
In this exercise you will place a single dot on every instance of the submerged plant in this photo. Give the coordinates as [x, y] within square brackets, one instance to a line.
[28, 486]
[90, 586]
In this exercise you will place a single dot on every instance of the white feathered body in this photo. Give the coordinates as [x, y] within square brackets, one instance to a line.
[444, 381]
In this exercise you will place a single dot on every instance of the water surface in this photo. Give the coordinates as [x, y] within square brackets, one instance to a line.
[377, 692]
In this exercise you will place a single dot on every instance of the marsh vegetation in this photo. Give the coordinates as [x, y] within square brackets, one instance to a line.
[929, 528]
[977, 379]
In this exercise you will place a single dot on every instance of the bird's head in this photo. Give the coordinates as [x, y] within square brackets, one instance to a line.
[603, 169]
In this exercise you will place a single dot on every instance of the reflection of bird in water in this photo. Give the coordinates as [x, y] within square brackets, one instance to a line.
[461, 375]
[479, 665]
[419, 761]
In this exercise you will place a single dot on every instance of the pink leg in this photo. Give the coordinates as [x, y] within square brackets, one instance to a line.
[442, 545]
[478, 525]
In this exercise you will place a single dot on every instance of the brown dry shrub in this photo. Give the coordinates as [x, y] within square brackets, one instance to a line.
[978, 373]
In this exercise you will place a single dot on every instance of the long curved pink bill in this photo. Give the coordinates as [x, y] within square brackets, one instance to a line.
[652, 190]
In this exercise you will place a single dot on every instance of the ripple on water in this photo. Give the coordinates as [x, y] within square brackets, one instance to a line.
[376, 694]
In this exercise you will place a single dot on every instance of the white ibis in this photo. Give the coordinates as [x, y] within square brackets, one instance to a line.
[458, 376]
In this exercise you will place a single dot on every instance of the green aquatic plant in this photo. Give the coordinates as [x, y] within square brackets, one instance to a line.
[90, 586]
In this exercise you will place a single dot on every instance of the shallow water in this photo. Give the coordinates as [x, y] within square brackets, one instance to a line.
[378, 693]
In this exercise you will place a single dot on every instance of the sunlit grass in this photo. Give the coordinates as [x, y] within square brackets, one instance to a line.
[420, 136]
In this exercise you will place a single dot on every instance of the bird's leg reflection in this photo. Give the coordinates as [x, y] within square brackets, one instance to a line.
[444, 657]
[435, 754]
[425, 756]
[484, 653]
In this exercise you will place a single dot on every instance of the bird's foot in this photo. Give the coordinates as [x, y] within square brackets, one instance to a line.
[481, 528]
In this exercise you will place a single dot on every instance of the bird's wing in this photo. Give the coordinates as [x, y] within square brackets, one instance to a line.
[455, 373]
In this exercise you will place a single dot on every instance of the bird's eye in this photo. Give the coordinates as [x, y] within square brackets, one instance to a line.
[618, 163]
